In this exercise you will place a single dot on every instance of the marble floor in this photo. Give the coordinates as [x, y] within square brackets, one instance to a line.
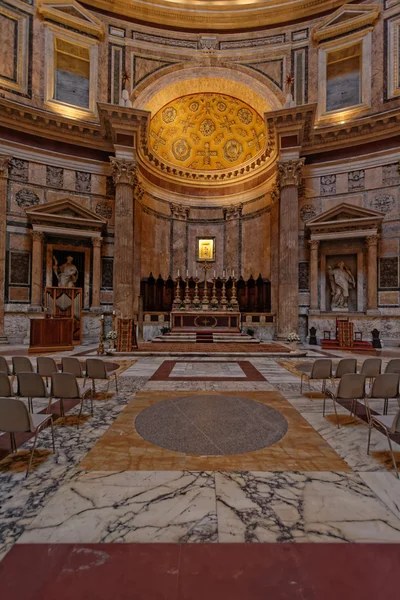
[311, 484]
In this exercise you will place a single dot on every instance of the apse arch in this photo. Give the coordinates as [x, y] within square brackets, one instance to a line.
[163, 87]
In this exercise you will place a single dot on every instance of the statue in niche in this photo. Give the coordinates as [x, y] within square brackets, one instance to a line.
[67, 274]
[341, 279]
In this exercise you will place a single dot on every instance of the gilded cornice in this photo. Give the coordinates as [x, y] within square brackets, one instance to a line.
[208, 15]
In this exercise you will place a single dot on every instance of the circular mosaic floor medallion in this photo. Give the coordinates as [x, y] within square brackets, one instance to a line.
[211, 425]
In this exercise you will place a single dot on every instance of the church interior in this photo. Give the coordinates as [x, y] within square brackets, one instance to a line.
[199, 299]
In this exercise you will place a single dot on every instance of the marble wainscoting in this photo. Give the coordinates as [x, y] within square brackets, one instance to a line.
[168, 507]
[301, 507]
[22, 499]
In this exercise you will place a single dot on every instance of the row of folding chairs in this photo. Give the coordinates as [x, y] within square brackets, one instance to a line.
[31, 385]
[95, 368]
[322, 369]
[352, 387]
[15, 417]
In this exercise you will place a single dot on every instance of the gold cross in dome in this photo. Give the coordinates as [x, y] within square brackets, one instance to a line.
[206, 153]
[227, 124]
[158, 139]
[205, 321]
[186, 124]
[256, 141]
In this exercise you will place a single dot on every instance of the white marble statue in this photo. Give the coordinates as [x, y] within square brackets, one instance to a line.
[341, 279]
[67, 274]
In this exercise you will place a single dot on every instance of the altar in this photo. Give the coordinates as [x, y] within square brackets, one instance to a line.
[205, 320]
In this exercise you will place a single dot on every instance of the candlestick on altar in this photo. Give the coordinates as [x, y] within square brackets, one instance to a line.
[114, 315]
[224, 300]
[186, 300]
[177, 299]
[196, 299]
[214, 301]
[234, 301]
[100, 349]
[205, 300]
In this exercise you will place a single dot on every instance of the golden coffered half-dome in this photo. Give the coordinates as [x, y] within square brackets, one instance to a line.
[207, 132]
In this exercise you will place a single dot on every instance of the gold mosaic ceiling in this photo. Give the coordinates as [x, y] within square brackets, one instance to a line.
[207, 132]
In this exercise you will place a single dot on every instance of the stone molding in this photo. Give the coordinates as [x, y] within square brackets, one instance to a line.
[314, 244]
[124, 171]
[289, 172]
[335, 25]
[87, 22]
[209, 15]
[4, 165]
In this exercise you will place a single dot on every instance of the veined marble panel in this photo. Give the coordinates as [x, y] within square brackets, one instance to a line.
[129, 507]
[301, 507]
[22, 499]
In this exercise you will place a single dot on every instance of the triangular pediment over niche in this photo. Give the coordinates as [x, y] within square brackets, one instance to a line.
[71, 14]
[343, 215]
[67, 214]
[346, 19]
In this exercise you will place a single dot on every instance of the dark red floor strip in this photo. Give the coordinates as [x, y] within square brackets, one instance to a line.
[200, 571]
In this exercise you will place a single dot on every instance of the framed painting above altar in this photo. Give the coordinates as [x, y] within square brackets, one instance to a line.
[205, 249]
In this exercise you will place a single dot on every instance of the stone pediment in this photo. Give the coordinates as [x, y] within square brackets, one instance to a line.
[65, 214]
[346, 218]
[346, 19]
[70, 13]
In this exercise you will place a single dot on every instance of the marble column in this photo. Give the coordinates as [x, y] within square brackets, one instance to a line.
[314, 305]
[96, 273]
[125, 179]
[37, 271]
[4, 164]
[372, 273]
[274, 234]
[289, 174]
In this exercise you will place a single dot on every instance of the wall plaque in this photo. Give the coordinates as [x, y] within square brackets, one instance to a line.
[107, 268]
[389, 272]
[19, 273]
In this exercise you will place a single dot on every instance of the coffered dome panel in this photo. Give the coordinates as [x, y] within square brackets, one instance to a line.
[207, 132]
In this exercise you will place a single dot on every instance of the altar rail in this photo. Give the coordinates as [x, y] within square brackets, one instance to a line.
[253, 295]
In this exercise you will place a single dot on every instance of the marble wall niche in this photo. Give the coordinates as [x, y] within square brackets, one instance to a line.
[343, 77]
[350, 260]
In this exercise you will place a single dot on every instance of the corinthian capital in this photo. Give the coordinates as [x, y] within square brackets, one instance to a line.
[123, 171]
[37, 236]
[372, 240]
[314, 244]
[289, 172]
[4, 164]
[96, 242]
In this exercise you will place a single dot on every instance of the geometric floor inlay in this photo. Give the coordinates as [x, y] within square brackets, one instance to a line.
[211, 425]
[173, 370]
[122, 448]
